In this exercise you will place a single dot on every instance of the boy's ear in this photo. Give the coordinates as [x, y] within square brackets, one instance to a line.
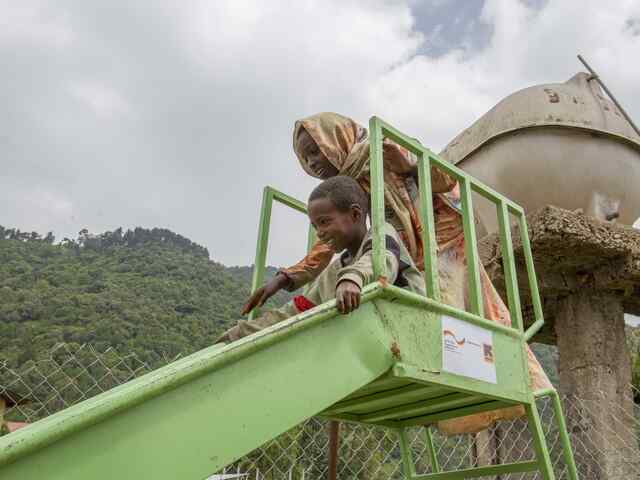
[356, 212]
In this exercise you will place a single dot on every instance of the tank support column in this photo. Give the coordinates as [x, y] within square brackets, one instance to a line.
[589, 276]
[595, 368]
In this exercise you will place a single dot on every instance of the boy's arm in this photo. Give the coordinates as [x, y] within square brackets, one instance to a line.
[361, 271]
[353, 278]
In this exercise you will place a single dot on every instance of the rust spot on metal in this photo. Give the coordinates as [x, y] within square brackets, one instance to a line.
[395, 351]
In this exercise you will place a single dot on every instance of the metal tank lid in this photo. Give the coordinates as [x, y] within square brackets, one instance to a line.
[578, 103]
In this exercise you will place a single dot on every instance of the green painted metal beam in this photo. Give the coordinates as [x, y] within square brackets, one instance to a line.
[487, 471]
[433, 456]
[470, 248]
[411, 298]
[442, 403]
[377, 198]
[387, 382]
[567, 452]
[533, 282]
[454, 413]
[388, 398]
[509, 266]
[288, 201]
[269, 195]
[408, 467]
[261, 246]
[388, 131]
[460, 383]
[346, 417]
[429, 245]
[539, 442]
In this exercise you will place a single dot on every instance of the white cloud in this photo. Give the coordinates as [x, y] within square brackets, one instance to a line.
[103, 100]
[47, 208]
[316, 47]
[33, 23]
[216, 87]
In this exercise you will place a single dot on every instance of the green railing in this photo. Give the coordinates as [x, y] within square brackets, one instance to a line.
[504, 208]
[269, 195]
[426, 160]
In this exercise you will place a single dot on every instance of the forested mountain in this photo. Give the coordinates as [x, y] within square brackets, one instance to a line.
[150, 292]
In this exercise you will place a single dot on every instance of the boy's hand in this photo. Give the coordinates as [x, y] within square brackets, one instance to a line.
[347, 296]
[265, 292]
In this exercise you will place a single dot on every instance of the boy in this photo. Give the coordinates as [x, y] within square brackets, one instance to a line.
[338, 210]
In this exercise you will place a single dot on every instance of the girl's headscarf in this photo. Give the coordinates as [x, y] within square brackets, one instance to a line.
[346, 146]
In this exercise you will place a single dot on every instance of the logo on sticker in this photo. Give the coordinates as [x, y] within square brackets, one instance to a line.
[455, 339]
[487, 350]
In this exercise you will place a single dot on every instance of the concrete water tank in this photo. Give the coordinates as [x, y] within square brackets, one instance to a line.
[561, 144]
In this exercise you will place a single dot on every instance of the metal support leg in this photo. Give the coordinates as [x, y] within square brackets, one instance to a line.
[408, 466]
[564, 436]
[334, 445]
[435, 465]
[539, 442]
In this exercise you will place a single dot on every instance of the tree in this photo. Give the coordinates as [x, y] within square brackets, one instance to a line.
[152, 293]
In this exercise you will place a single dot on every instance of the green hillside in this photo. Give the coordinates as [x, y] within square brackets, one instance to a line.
[150, 292]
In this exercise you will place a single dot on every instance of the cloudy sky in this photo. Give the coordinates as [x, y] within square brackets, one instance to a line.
[176, 114]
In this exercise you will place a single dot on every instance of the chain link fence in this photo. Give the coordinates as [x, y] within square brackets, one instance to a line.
[605, 441]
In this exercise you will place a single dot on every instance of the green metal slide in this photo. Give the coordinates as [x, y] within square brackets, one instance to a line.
[400, 360]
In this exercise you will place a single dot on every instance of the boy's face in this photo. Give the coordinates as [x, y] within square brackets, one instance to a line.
[339, 229]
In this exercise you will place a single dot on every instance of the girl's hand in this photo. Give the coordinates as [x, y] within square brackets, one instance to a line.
[264, 293]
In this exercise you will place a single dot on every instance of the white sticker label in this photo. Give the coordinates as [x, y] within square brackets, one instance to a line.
[467, 350]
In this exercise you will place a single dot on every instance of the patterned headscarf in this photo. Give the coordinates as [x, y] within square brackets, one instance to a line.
[346, 146]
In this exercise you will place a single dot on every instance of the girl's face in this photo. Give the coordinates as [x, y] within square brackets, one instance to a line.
[314, 157]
